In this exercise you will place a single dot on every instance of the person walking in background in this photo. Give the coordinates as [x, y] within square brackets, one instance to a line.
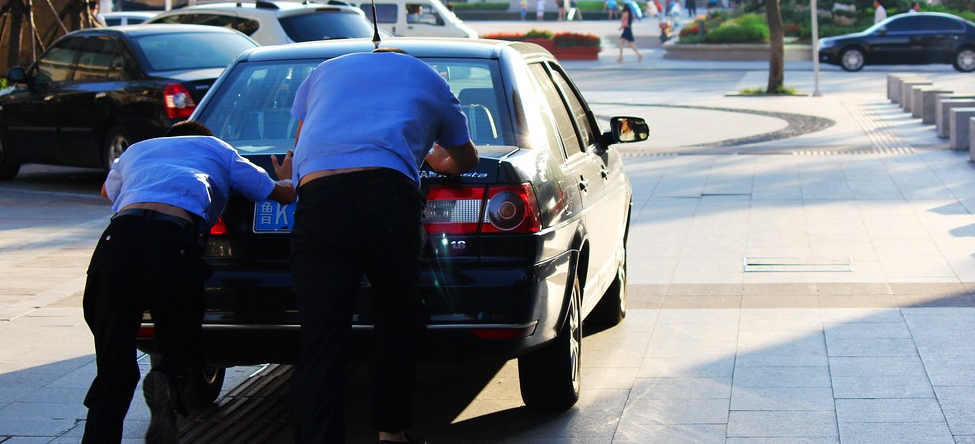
[915, 8]
[540, 10]
[561, 6]
[626, 38]
[166, 193]
[610, 7]
[361, 212]
[879, 13]
[691, 9]
[524, 9]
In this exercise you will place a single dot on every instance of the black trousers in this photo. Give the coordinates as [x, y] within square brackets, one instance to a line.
[140, 265]
[346, 225]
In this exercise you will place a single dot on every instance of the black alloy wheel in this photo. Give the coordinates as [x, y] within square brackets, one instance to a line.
[117, 140]
[852, 59]
[965, 60]
[203, 386]
[550, 378]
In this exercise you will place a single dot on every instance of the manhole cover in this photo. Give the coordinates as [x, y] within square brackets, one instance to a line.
[796, 264]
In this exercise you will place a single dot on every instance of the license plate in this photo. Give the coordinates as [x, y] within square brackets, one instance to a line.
[272, 217]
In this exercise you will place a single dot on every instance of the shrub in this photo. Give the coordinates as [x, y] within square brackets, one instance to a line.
[829, 30]
[749, 28]
[487, 6]
[3, 82]
[539, 34]
[575, 39]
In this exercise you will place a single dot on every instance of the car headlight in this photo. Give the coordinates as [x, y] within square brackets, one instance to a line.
[823, 44]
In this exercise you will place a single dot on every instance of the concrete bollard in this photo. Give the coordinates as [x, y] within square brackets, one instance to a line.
[894, 82]
[917, 106]
[929, 110]
[958, 127]
[943, 112]
[971, 138]
[907, 91]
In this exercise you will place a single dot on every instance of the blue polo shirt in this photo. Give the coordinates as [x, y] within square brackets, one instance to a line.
[374, 110]
[195, 173]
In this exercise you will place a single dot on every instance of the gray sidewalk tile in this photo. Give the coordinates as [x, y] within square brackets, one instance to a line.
[871, 347]
[677, 411]
[889, 410]
[815, 440]
[693, 366]
[773, 358]
[882, 387]
[782, 398]
[781, 424]
[895, 433]
[859, 330]
[781, 377]
[680, 388]
[876, 366]
[637, 433]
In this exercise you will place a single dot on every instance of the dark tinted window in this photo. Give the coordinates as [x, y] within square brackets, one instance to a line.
[938, 24]
[421, 13]
[324, 25]
[244, 25]
[576, 107]
[55, 64]
[902, 24]
[101, 58]
[562, 118]
[164, 52]
[386, 13]
[115, 21]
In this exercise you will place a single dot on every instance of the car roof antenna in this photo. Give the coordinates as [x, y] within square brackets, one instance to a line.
[375, 26]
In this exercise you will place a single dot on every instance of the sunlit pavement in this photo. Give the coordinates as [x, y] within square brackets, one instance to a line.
[815, 288]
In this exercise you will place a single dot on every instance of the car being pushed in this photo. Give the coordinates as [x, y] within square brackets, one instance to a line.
[521, 251]
[909, 39]
[95, 91]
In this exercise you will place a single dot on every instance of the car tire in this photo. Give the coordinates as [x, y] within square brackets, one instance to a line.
[964, 60]
[550, 377]
[611, 309]
[852, 59]
[117, 140]
[203, 386]
[9, 165]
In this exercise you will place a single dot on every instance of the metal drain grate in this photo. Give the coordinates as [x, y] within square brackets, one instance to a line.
[796, 264]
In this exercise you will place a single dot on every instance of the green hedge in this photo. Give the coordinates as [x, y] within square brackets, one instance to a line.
[749, 28]
[489, 6]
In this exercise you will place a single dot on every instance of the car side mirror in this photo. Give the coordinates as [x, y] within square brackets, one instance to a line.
[17, 74]
[882, 30]
[628, 129]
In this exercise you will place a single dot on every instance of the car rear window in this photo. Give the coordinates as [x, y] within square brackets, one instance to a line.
[325, 24]
[251, 108]
[181, 51]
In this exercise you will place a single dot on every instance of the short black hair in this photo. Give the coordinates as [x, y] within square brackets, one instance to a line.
[188, 128]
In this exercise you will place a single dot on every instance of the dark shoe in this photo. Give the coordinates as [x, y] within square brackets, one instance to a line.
[162, 422]
[409, 440]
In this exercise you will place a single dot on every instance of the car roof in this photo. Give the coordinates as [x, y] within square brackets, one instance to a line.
[263, 7]
[153, 29]
[146, 14]
[932, 14]
[419, 47]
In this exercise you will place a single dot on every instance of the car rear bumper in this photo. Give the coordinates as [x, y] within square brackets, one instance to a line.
[475, 312]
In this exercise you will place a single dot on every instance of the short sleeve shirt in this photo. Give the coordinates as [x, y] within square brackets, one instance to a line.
[195, 173]
[374, 110]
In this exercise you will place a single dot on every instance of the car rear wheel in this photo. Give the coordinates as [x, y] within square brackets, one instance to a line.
[117, 140]
[965, 60]
[9, 165]
[611, 309]
[203, 386]
[852, 59]
[551, 376]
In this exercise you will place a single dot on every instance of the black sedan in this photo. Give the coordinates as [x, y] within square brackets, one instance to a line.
[921, 38]
[521, 250]
[95, 91]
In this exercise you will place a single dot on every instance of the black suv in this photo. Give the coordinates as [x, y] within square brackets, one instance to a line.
[95, 91]
[521, 250]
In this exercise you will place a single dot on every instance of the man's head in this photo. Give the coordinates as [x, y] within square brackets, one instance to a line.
[188, 128]
[877, 4]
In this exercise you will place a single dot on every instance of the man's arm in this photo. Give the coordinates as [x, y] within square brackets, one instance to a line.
[453, 160]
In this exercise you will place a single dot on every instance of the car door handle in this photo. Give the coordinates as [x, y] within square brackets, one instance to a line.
[604, 172]
[48, 98]
[101, 95]
[583, 184]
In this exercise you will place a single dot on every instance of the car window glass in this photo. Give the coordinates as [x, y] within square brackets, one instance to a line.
[113, 21]
[938, 24]
[577, 109]
[562, 119]
[425, 14]
[385, 13]
[325, 25]
[478, 88]
[55, 64]
[100, 59]
[172, 51]
[246, 25]
[902, 25]
[551, 134]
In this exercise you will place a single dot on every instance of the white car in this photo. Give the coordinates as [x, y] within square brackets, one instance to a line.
[277, 22]
[122, 18]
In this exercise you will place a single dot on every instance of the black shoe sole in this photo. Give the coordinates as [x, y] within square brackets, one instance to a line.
[162, 422]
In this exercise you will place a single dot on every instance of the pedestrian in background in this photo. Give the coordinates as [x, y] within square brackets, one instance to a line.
[879, 13]
[561, 6]
[361, 212]
[610, 7]
[524, 9]
[626, 37]
[166, 194]
[692, 9]
[915, 8]
[540, 10]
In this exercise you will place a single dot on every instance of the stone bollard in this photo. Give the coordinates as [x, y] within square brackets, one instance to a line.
[942, 111]
[958, 127]
[917, 106]
[894, 82]
[907, 91]
[929, 110]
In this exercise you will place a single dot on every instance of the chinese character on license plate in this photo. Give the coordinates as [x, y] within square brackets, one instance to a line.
[272, 217]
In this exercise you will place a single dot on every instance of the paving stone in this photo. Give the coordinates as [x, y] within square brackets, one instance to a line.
[677, 411]
[895, 433]
[781, 377]
[681, 388]
[781, 424]
[882, 387]
[876, 366]
[889, 410]
[778, 398]
[638, 433]
[871, 347]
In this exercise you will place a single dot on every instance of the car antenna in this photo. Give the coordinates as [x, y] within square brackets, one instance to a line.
[375, 26]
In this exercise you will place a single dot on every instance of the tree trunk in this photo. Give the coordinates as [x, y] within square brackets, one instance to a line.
[776, 40]
[16, 30]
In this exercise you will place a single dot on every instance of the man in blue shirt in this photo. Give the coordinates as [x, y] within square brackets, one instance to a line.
[166, 194]
[360, 212]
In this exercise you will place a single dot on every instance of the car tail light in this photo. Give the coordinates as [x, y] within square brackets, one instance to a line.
[218, 228]
[146, 332]
[179, 103]
[453, 209]
[504, 333]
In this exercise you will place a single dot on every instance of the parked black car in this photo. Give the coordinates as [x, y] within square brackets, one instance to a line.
[921, 38]
[521, 250]
[95, 91]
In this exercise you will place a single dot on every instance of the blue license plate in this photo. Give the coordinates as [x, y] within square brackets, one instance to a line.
[272, 217]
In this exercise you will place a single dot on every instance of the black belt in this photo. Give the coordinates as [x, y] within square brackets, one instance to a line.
[147, 214]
